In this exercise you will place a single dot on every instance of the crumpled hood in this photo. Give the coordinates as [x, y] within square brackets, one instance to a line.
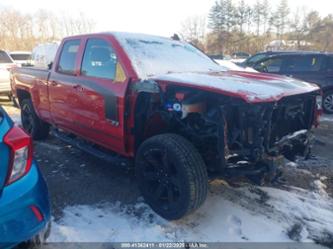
[252, 87]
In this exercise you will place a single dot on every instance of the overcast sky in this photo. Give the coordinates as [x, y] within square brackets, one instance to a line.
[162, 17]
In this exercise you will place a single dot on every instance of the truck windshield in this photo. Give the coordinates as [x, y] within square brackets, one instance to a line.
[4, 58]
[153, 56]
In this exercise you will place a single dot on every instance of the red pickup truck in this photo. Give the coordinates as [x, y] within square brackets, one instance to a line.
[166, 105]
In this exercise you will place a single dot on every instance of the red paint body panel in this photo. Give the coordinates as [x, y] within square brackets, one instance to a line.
[77, 103]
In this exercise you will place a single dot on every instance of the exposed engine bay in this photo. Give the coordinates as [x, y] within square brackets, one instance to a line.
[232, 135]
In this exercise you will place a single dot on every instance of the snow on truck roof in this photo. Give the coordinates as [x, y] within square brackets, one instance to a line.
[153, 55]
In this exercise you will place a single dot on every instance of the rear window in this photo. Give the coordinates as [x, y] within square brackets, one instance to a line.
[20, 57]
[68, 57]
[308, 63]
[4, 57]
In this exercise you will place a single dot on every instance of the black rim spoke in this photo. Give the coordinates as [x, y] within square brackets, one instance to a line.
[165, 162]
[151, 176]
[174, 182]
[150, 158]
[161, 178]
[159, 191]
[27, 119]
[170, 194]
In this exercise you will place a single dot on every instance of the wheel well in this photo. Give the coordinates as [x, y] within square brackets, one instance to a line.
[145, 118]
[329, 88]
[22, 94]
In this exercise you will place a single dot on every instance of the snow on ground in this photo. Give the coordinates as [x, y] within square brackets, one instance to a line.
[326, 117]
[229, 215]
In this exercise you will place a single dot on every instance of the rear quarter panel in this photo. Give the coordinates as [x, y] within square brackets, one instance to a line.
[35, 82]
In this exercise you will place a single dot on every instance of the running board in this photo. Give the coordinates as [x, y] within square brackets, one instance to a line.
[110, 157]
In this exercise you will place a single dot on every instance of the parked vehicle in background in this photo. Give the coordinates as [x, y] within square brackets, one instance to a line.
[249, 62]
[43, 54]
[24, 203]
[239, 57]
[6, 64]
[171, 110]
[22, 58]
[217, 57]
[314, 67]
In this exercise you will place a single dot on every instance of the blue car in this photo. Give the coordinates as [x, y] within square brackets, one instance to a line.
[24, 202]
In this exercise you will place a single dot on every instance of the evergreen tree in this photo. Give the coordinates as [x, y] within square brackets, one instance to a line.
[257, 16]
[241, 15]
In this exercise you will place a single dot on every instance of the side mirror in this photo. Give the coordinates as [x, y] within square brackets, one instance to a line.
[49, 66]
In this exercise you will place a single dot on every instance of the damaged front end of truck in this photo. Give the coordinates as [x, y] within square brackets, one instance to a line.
[236, 138]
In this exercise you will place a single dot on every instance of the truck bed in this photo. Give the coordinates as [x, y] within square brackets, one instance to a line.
[26, 74]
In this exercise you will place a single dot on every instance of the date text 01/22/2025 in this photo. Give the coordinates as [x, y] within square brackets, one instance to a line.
[164, 245]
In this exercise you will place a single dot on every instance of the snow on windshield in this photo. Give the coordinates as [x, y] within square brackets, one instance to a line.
[152, 55]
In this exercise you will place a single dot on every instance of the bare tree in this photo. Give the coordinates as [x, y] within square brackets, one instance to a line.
[193, 30]
[298, 26]
[20, 31]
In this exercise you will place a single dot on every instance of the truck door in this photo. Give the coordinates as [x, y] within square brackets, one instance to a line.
[61, 83]
[100, 90]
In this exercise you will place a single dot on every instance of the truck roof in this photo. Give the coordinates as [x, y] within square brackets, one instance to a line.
[152, 55]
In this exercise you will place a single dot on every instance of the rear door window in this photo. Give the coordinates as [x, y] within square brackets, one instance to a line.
[100, 60]
[304, 63]
[4, 57]
[68, 57]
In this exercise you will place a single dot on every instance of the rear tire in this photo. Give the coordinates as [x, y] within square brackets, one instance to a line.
[171, 175]
[328, 102]
[31, 123]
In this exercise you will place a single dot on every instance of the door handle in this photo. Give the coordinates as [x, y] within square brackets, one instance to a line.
[78, 87]
[54, 83]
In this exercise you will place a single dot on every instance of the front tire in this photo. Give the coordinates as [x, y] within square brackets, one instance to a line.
[171, 175]
[31, 123]
[328, 102]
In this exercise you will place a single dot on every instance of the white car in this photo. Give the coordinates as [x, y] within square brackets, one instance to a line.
[22, 58]
[44, 54]
[6, 63]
